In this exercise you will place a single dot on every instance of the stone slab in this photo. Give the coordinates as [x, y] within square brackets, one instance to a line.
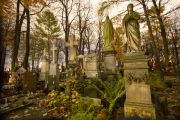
[138, 101]
[90, 65]
[91, 74]
[110, 63]
[138, 93]
[92, 101]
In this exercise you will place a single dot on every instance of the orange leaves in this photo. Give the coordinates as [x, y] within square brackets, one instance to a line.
[117, 45]
[34, 3]
[6, 8]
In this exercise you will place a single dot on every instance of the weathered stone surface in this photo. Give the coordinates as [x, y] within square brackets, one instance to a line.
[141, 110]
[72, 47]
[91, 73]
[136, 65]
[138, 95]
[53, 69]
[92, 101]
[138, 101]
[109, 62]
[90, 65]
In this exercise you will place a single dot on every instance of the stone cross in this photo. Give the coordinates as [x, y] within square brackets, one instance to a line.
[72, 48]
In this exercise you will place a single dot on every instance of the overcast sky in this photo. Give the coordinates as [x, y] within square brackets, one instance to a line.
[114, 10]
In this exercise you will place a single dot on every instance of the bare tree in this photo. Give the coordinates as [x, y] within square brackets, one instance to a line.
[66, 9]
[19, 22]
[163, 30]
[83, 17]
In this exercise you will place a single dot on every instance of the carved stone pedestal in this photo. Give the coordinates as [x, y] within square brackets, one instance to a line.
[136, 65]
[138, 95]
[138, 101]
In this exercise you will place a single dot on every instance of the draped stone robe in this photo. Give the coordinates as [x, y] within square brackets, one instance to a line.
[108, 35]
[132, 32]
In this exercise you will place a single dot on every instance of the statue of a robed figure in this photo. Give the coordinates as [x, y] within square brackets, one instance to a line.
[108, 34]
[130, 23]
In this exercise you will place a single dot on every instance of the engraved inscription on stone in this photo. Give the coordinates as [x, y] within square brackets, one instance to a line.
[138, 93]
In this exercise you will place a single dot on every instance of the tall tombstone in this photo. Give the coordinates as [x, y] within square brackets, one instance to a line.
[44, 67]
[138, 95]
[90, 65]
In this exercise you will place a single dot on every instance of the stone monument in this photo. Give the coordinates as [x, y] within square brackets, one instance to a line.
[130, 24]
[44, 67]
[108, 51]
[138, 94]
[138, 101]
[72, 47]
[90, 65]
[53, 66]
[54, 71]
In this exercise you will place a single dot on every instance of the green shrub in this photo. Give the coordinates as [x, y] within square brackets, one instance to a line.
[155, 82]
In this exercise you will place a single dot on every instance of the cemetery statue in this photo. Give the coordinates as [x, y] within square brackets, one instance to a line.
[108, 34]
[131, 28]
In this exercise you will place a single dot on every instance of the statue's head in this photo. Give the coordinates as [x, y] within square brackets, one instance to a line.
[107, 17]
[130, 7]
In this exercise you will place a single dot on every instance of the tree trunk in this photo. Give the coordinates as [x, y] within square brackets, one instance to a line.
[153, 40]
[163, 32]
[16, 44]
[3, 56]
[175, 47]
[1, 53]
[66, 41]
[26, 57]
[88, 45]
[17, 36]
